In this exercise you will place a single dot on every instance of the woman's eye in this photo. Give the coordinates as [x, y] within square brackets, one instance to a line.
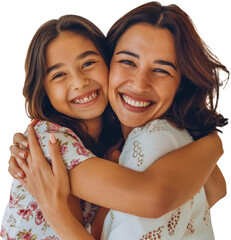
[58, 75]
[158, 70]
[127, 62]
[87, 64]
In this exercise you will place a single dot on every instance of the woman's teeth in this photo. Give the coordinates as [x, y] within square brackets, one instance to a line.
[86, 99]
[135, 103]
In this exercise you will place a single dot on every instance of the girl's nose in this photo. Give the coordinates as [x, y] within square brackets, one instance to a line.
[79, 82]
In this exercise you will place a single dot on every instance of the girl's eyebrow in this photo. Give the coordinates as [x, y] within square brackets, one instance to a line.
[53, 67]
[79, 57]
[87, 53]
[159, 61]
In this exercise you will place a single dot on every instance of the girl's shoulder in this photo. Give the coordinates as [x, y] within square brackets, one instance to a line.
[71, 147]
[43, 126]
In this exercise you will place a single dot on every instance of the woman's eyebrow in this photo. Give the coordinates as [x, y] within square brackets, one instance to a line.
[129, 53]
[164, 62]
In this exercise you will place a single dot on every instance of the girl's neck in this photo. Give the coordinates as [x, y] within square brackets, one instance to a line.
[94, 127]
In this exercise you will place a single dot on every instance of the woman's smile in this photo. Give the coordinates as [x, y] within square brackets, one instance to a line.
[143, 75]
[134, 103]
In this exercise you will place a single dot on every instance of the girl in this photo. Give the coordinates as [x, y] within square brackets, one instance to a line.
[59, 87]
[91, 168]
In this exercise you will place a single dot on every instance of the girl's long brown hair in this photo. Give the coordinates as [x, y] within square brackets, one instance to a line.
[37, 102]
[195, 103]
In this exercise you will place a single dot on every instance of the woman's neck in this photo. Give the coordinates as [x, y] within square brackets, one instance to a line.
[94, 127]
[126, 130]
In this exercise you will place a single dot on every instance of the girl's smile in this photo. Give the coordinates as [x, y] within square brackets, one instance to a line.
[76, 79]
[86, 98]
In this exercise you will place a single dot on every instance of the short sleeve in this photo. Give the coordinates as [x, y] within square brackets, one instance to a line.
[147, 144]
[71, 147]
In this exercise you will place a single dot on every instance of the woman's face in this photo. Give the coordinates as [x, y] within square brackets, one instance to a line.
[76, 79]
[144, 75]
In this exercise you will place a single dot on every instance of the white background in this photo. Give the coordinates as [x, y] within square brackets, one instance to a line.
[20, 19]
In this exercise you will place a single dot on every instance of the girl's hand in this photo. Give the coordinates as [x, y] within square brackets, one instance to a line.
[19, 150]
[114, 152]
[49, 185]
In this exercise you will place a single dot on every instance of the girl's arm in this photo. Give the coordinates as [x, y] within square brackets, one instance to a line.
[215, 187]
[164, 186]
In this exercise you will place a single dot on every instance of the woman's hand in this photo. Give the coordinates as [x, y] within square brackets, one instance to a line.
[49, 185]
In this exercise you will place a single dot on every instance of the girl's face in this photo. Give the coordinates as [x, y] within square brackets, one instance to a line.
[76, 79]
[144, 75]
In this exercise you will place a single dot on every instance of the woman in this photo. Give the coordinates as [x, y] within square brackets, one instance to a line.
[192, 128]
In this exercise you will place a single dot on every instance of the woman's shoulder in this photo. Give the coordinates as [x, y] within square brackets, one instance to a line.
[156, 125]
[162, 127]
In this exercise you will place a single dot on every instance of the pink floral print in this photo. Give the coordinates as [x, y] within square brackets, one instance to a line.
[39, 219]
[23, 219]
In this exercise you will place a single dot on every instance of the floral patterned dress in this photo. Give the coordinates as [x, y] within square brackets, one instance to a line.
[190, 221]
[23, 219]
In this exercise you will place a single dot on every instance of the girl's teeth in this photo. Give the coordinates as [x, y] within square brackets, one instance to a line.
[86, 99]
[135, 103]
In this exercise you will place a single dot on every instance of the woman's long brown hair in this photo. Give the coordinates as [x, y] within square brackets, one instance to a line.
[195, 103]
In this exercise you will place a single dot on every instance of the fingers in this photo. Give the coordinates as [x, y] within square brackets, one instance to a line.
[14, 170]
[20, 140]
[23, 165]
[115, 156]
[56, 157]
[35, 150]
[33, 122]
[18, 152]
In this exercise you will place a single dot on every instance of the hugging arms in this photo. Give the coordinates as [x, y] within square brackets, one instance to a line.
[167, 183]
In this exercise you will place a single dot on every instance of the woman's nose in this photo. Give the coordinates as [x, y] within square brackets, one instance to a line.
[141, 81]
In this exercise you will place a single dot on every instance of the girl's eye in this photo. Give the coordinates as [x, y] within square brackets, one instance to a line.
[127, 62]
[58, 75]
[87, 64]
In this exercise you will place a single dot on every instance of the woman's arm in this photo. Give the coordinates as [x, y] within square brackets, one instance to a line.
[53, 198]
[97, 224]
[165, 185]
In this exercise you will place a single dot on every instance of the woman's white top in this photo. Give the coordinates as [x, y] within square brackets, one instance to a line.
[190, 221]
